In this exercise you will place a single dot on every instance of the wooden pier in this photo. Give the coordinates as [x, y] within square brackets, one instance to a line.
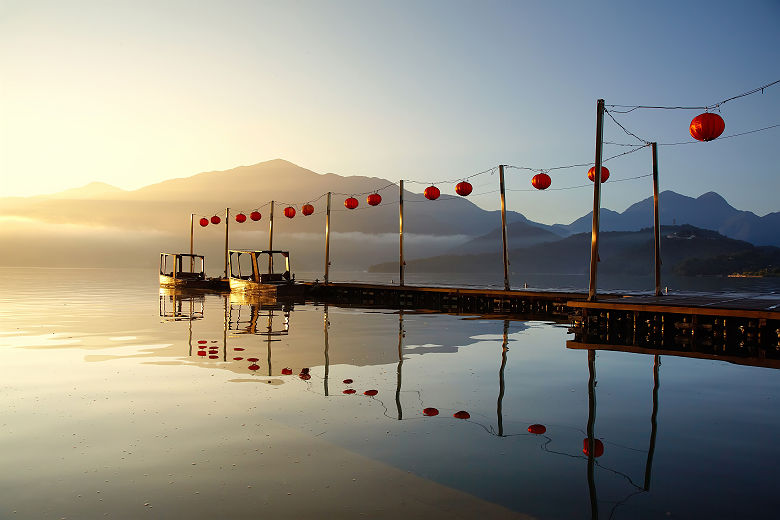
[700, 321]
[529, 304]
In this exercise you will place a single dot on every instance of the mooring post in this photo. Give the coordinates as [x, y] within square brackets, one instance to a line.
[594, 240]
[327, 240]
[503, 225]
[227, 227]
[271, 240]
[656, 220]
[401, 229]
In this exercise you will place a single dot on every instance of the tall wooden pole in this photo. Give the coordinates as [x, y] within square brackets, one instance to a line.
[594, 240]
[227, 227]
[656, 219]
[401, 230]
[503, 225]
[271, 240]
[327, 240]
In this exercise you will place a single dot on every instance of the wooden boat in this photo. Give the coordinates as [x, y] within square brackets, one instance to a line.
[185, 271]
[252, 272]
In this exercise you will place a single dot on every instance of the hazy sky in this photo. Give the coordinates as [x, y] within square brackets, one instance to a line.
[132, 93]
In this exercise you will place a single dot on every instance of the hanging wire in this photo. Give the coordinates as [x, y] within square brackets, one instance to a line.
[582, 185]
[458, 179]
[723, 137]
[580, 165]
[631, 108]
[632, 134]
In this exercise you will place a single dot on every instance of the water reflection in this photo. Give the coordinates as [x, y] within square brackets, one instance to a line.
[271, 322]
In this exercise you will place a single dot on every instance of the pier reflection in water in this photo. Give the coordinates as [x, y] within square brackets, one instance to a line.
[270, 320]
[207, 410]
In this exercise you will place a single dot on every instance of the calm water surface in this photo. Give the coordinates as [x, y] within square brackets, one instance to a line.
[120, 402]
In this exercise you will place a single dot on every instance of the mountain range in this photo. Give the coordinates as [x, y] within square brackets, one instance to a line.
[100, 223]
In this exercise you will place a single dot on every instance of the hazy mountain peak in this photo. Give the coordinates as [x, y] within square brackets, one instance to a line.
[93, 190]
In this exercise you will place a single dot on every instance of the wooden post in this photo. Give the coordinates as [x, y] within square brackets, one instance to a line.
[656, 220]
[271, 240]
[594, 507]
[401, 229]
[594, 240]
[503, 225]
[327, 240]
[227, 227]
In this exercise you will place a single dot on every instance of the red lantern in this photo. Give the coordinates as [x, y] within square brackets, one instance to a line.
[598, 447]
[351, 203]
[215, 220]
[432, 193]
[374, 199]
[289, 212]
[349, 391]
[541, 181]
[371, 392]
[461, 415]
[255, 215]
[604, 174]
[237, 358]
[463, 188]
[287, 371]
[537, 429]
[240, 218]
[305, 377]
[253, 367]
[204, 222]
[307, 210]
[252, 359]
[707, 126]
[348, 381]
[430, 412]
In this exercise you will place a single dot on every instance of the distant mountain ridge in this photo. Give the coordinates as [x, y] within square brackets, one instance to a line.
[451, 225]
[708, 211]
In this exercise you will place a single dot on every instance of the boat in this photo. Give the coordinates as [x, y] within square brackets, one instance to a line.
[252, 272]
[186, 271]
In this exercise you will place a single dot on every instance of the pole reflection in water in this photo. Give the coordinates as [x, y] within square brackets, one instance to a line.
[499, 405]
[653, 422]
[325, 326]
[400, 363]
[594, 508]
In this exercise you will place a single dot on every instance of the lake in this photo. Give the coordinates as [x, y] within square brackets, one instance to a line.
[120, 401]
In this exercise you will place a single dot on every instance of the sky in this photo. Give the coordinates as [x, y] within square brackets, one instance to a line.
[133, 93]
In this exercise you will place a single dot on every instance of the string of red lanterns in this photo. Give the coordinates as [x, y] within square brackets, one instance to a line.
[704, 127]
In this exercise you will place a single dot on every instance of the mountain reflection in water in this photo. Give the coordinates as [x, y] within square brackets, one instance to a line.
[111, 405]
